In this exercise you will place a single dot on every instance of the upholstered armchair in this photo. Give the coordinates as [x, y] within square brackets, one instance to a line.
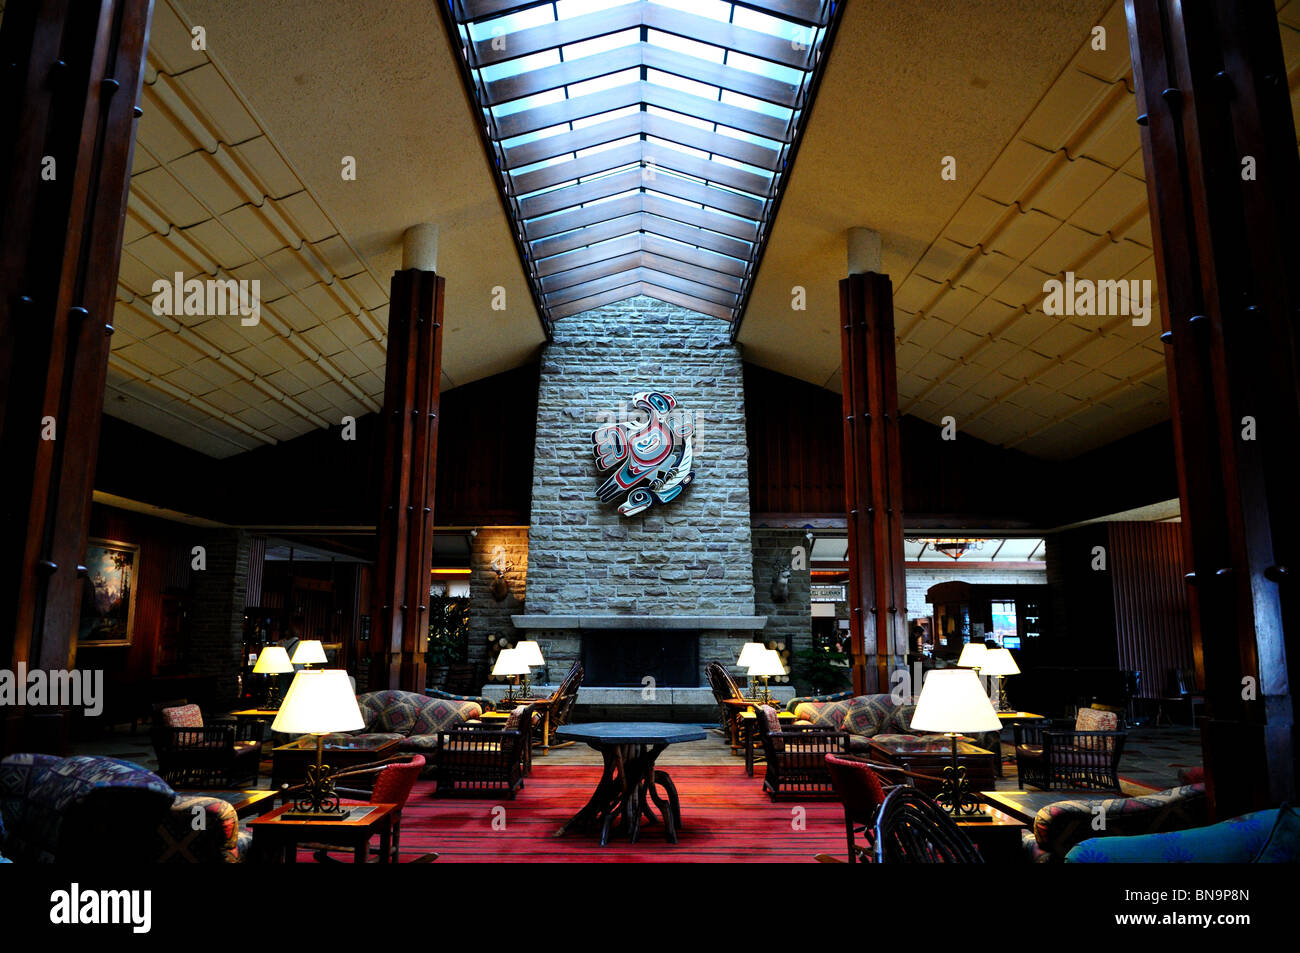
[1085, 756]
[192, 754]
[796, 756]
[1059, 827]
[92, 809]
[480, 760]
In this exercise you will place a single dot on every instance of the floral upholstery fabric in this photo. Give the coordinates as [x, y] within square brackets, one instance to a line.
[184, 716]
[1240, 840]
[822, 714]
[1060, 826]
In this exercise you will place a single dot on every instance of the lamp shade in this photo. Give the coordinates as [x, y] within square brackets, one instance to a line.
[309, 652]
[767, 663]
[999, 662]
[530, 652]
[972, 655]
[273, 660]
[952, 699]
[509, 662]
[750, 653]
[319, 701]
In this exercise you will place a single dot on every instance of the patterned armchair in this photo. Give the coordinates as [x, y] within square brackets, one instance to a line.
[413, 720]
[1086, 756]
[192, 754]
[1060, 826]
[796, 756]
[89, 809]
[478, 760]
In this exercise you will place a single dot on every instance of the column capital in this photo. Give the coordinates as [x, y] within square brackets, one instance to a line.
[864, 251]
[420, 247]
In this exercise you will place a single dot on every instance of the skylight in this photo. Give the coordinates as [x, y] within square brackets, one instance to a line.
[642, 146]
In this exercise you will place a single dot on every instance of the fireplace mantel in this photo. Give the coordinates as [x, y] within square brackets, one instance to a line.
[700, 622]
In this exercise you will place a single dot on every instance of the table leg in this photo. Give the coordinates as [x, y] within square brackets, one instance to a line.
[619, 799]
[386, 839]
[669, 806]
[546, 731]
[749, 746]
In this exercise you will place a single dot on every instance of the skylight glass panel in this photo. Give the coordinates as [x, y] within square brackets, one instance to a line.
[627, 134]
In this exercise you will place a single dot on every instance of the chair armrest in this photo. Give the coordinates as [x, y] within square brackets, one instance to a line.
[180, 738]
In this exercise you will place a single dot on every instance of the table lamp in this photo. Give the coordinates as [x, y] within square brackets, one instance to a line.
[510, 662]
[953, 701]
[748, 655]
[531, 653]
[273, 660]
[1000, 663]
[309, 652]
[972, 655]
[767, 664]
[319, 701]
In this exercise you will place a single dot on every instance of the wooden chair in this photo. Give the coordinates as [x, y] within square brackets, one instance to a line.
[1085, 756]
[861, 791]
[911, 829]
[558, 710]
[484, 760]
[731, 701]
[194, 755]
[796, 757]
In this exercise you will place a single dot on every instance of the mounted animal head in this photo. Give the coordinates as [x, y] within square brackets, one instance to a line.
[780, 581]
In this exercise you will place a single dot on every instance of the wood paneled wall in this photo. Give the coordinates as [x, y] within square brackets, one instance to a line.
[1152, 620]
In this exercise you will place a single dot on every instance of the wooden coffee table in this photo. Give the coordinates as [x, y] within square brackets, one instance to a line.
[273, 835]
[289, 762]
[245, 802]
[929, 756]
[1025, 805]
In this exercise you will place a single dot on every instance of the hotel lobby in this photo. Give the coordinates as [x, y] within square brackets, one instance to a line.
[649, 431]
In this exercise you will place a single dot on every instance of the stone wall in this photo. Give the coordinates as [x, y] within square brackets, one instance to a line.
[688, 556]
[217, 621]
[489, 618]
[789, 623]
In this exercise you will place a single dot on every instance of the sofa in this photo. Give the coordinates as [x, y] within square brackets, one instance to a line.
[1261, 837]
[90, 809]
[868, 718]
[413, 720]
[1059, 827]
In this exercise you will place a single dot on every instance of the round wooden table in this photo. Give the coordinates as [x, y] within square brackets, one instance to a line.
[630, 780]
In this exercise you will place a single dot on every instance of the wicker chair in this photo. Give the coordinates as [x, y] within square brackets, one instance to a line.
[731, 701]
[796, 757]
[479, 760]
[911, 829]
[1085, 756]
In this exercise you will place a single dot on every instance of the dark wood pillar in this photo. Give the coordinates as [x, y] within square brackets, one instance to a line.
[72, 76]
[1219, 144]
[404, 561]
[873, 481]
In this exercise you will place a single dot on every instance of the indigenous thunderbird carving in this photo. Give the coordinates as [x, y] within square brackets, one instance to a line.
[650, 460]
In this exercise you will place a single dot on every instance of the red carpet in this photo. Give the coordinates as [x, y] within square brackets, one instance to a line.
[726, 818]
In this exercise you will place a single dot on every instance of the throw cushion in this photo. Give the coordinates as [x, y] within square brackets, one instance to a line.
[868, 715]
[186, 716]
[512, 723]
[772, 724]
[1283, 845]
[823, 714]
[1094, 719]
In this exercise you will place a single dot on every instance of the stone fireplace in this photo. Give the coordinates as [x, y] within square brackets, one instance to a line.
[671, 588]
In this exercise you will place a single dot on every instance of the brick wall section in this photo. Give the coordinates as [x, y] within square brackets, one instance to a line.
[691, 555]
[217, 620]
[788, 622]
[487, 616]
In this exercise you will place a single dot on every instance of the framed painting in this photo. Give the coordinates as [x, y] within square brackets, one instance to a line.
[108, 593]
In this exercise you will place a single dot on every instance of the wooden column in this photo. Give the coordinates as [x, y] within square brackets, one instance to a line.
[400, 588]
[72, 77]
[1218, 140]
[873, 482]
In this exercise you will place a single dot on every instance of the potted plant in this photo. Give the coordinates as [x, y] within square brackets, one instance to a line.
[448, 636]
[823, 670]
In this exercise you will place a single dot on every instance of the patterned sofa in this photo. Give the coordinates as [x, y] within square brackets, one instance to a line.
[872, 718]
[1060, 826]
[411, 719]
[90, 809]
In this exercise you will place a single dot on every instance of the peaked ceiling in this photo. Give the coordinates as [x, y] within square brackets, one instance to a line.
[641, 146]
[237, 174]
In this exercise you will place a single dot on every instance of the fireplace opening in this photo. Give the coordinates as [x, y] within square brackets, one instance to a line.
[623, 658]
